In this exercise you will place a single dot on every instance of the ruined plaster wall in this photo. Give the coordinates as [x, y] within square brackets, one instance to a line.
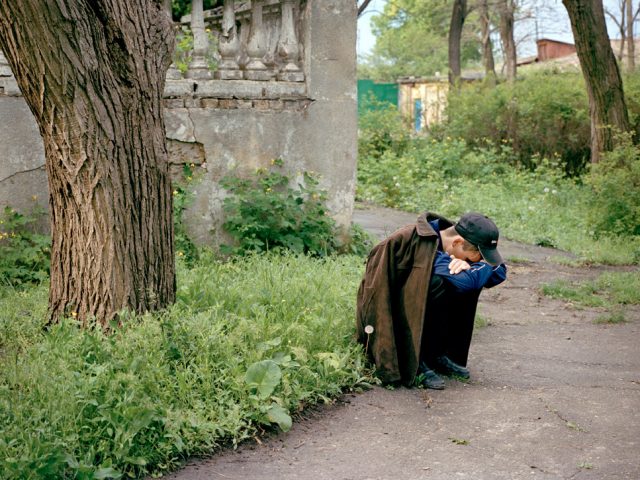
[23, 181]
[312, 126]
[232, 126]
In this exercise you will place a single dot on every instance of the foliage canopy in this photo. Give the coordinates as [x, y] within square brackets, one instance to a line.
[411, 39]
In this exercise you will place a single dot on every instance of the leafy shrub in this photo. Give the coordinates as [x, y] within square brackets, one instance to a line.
[544, 115]
[183, 7]
[184, 246]
[265, 213]
[631, 84]
[428, 169]
[381, 130]
[183, 51]
[616, 184]
[24, 255]
[356, 242]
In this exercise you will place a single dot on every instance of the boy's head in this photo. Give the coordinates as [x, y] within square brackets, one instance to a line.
[473, 238]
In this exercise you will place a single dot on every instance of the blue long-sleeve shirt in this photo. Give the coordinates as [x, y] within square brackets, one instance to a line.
[479, 276]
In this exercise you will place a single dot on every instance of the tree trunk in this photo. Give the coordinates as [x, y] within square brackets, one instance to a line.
[455, 40]
[631, 46]
[601, 74]
[507, 10]
[487, 48]
[92, 73]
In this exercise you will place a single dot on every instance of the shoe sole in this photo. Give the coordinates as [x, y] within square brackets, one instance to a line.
[434, 388]
[452, 374]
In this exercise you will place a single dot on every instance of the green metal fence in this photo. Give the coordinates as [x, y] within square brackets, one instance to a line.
[371, 94]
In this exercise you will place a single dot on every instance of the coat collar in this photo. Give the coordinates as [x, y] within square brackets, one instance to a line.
[425, 229]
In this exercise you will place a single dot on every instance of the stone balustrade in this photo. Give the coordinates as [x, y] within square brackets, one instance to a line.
[257, 40]
[8, 84]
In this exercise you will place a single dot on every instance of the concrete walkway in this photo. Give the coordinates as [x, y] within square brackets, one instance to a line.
[553, 395]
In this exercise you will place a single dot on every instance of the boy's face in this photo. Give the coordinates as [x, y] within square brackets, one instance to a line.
[455, 249]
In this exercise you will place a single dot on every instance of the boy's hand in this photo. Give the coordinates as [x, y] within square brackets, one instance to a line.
[457, 265]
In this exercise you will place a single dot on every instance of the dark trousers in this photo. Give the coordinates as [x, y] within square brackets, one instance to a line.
[448, 322]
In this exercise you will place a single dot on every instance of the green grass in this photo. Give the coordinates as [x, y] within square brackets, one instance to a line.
[611, 290]
[480, 321]
[80, 404]
[514, 259]
[617, 316]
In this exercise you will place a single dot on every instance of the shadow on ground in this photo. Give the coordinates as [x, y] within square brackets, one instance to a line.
[553, 395]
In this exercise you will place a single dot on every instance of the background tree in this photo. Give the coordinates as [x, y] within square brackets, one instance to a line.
[507, 10]
[183, 7]
[624, 18]
[631, 44]
[458, 16]
[92, 73]
[488, 60]
[600, 70]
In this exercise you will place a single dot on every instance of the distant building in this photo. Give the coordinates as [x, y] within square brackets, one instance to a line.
[548, 49]
[562, 54]
[423, 100]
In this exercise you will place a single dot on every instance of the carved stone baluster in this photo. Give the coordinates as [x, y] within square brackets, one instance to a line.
[198, 68]
[257, 46]
[229, 45]
[172, 73]
[288, 48]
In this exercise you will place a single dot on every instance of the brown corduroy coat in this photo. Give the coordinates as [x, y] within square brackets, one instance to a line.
[392, 298]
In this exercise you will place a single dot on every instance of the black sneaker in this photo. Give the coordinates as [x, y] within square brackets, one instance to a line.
[429, 379]
[446, 366]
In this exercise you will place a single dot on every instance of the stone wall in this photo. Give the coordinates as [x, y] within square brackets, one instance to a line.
[232, 125]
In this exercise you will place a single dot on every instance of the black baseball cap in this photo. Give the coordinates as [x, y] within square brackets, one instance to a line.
[480, 231]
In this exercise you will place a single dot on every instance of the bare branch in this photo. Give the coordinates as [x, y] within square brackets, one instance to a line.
[363, 6]
[635, 15]
[614, 18]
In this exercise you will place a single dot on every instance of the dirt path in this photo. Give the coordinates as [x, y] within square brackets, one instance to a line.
[553, 395]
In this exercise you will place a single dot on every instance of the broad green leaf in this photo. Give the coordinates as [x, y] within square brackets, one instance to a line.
[107, 473]
[264, 376]
[277, 414]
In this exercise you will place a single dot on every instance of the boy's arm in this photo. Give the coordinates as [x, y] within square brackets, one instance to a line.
[479, 275]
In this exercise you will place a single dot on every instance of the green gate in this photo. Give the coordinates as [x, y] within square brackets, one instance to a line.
[372, 94]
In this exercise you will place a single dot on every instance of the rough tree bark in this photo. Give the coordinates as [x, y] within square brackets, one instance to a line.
[600, 70]
[487, 48]
[458, 17]
[507, 11]
[92, 73]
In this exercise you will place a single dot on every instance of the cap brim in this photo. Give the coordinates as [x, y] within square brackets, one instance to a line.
[491, 256]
